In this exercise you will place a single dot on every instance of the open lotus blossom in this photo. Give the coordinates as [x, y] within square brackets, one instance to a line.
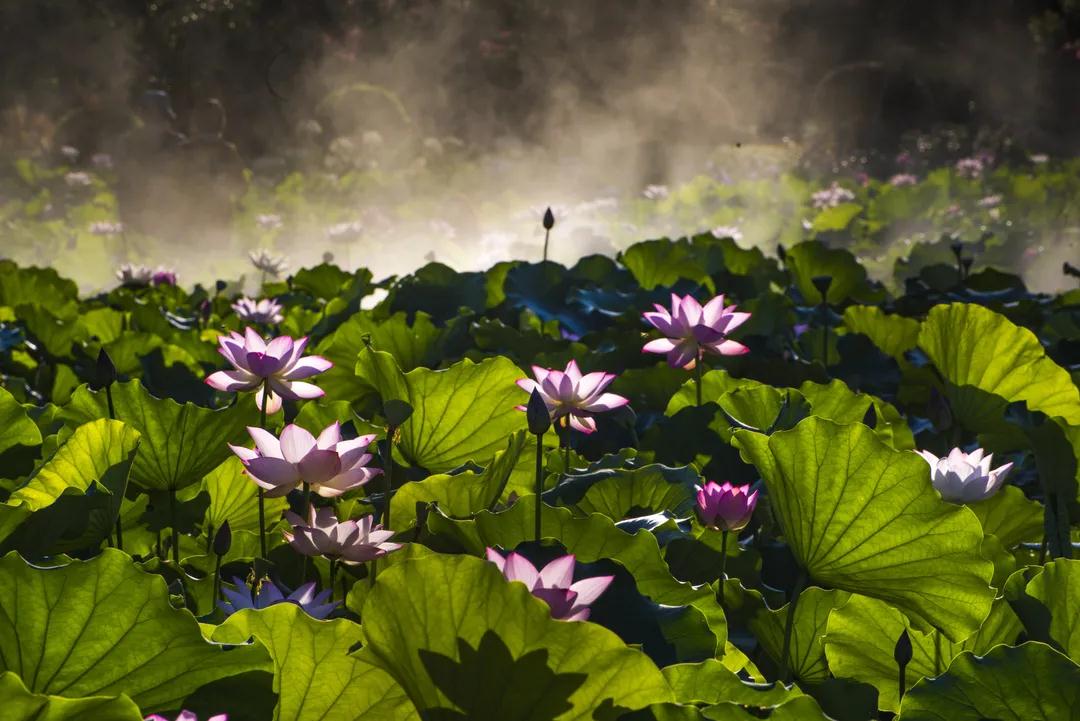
[330, 465]
[279, 364]
[693, 330]
[350, 542]
[569, 394]
[163, 276]
[266, 593]
[187, 716]
[965, 477]
[554, 584]
[266, 311]
[725, 507]
[268, 263]
[134, 275]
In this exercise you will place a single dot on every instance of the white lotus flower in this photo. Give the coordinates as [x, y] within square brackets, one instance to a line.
[965, 477]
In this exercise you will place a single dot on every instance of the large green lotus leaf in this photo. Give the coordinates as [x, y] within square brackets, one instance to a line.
[837, 402]
[893, 334]
[314, 675]
[21, 704]
[806, 654]
[180, 443]
[863, 517]
[664, 262]
[801, 708]
[462, 494]
[234, 497]
[411, 346]
[714, 384]
[641, 491]
[989, 362]
[1030, 682]
[1058, 588]
[1010, 516]
[813, 258]
[102, 628]
[763, 407]
[99, 452]
[18, 429]
[41, 286]
[466, 644]
[862, 635]
[463, 413]
[711, 682]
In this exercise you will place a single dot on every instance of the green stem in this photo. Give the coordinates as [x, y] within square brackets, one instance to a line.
[697, 376]
[566, 447]
[333, 577]
[112, 415]
[262, 497]
[217, 580]
[785, 664]
[825, 334]
[539, 482]
[306, 505]
[937, 654]
[547, 234]
[172, 522]
[723, 555]
[388, 471]
[902, 679]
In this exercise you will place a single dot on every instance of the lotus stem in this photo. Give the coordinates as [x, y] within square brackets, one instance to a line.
[175, 532]
[262, 498]
[306, 505]
[388, 472]
[566, 447]
[697, 376]
[333, 578]
[217, 580]
[937, 653]
[785, 664]
[547, 235]
[539, 482]
[112, 416]
[723, 555]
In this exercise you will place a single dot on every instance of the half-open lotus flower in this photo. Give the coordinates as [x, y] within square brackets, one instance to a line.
[268, 263]
[187, 716]
[725, 507]
[349, 541]
[965, 477]
[266, 311]
[569, 394]
[554, 584]
[279, 364]
[330, 465]
[266, 593]
[163, 276]
[692, 330]
[134, 275]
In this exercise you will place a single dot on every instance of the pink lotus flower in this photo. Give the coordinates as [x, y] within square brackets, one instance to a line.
[725, 507]
[569, 394]
[134, 275]
[163, 276]
[330, 465]
[278, 364]
[554, 584]
[965, 477]
[350, 542]
[693, 330]
[187, 716]
[266, 311]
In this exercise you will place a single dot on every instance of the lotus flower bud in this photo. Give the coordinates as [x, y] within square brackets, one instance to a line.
[549, 219]
[965, 477]
[537, 414]
[725, 507]
[223, 539]
[106, 370]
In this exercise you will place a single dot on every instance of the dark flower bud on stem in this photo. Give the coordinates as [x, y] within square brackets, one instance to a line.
[537, 414]
[822, 283]
[397, 412]
[549, 219]
[106, 370]
[223, 539]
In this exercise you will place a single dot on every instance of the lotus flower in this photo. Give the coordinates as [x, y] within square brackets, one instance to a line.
[266, 311]
[268, 594]
[350, 542]
[725, 507]
[163, 276]
[187, 716]
[134, 275]
[268, 263]
[965, 477]
[330, 465]
[570, 394]
[279, 364]
[554, 584]
[693, 330]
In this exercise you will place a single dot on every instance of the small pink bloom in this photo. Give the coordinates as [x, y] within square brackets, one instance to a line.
[134, 275]
[279, 364]
[351, 542]
[901, 179]
[267, 311]
[330, 465]
[187, 716]
[570, 394]
[692, 330]
[163, 276]
[725, 507]
[554, 584]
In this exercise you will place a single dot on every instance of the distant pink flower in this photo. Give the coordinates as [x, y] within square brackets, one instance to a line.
[279, 364]
[134, 275]
[350, 542]
[970, 168]
[725, 507]
[330, 465]
[266, 311]
[902, 179]
[693, 330]
[965, 477]
[554, 584]
[187, 716]
[163, 276]
[569, 394]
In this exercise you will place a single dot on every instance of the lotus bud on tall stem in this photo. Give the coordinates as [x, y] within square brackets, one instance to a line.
[902, 654]
[539, 420]
[549, 223]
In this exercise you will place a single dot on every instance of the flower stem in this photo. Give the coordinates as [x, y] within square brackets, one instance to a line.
[388, 472]
[306, 505]
[785, 664]
[333, 578]
[547, 234]
[539, 481]
[697, 377]
[262, 499]
[217, 580]
[175, 532]
[112, 416]
[566, 447]
[723, 555]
